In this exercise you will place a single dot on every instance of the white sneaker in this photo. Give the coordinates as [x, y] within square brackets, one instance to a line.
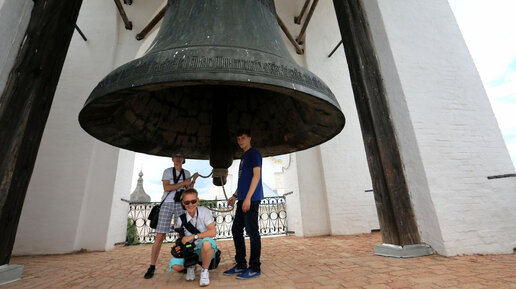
[190, 273]
[205, 278]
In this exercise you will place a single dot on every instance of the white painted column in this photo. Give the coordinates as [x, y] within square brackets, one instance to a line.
[330, 181]
[307, 208]
[347, 181]
[293, 200]
[70, 194]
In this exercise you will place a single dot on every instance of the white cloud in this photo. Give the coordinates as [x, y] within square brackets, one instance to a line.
[488, 29]
[505, 115]
[503, 102]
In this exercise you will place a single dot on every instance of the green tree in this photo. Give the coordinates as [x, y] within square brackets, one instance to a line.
[131, 237]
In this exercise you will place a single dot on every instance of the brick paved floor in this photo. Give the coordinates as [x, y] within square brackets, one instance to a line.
[287, 262]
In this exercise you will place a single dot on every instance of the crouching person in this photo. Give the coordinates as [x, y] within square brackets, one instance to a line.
[199, 231]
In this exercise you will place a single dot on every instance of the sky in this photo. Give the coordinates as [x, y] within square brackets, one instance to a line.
[489, 29]
[153, 167]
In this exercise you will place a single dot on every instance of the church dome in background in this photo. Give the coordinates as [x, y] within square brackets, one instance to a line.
[139, 195]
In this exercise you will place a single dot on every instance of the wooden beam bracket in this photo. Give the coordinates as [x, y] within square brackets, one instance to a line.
[297, 19]
[151, 24]
[80, 32]
[335, 49]
[128, 24]
[301, 38]
[299, 50]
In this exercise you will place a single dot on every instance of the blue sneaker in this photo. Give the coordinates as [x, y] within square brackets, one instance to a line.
[248, 274]
[234, 270]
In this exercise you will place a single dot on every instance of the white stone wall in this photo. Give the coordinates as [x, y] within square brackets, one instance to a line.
[313, 195]
[330, 181]
[118, 220]
[74, 200]
[287, 10]
[307, 208]
[346, 174]
[69, 195]
[293, 201]
[455, 131]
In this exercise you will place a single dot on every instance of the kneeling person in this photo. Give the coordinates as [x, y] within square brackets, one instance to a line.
[202, 222]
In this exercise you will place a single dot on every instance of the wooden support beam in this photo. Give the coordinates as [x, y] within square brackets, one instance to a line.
[335, 49]
[80, 33]
[128, 24]
[396, 215]
[299, 50]
[301, 38]
[298, 19]
[25, 104]
[152, 23]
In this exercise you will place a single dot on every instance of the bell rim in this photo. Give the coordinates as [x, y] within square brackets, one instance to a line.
[237, 154]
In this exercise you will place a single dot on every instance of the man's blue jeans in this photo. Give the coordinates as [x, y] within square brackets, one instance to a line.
[249, 221]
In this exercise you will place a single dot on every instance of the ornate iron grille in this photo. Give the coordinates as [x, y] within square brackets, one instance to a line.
[272, 219]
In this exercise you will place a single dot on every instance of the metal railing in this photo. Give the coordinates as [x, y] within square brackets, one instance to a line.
[272, 219]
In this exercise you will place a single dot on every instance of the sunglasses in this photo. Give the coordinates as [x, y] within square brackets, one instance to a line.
[193, 202]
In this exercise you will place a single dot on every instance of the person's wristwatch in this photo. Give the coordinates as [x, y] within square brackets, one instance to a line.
[235, 196]
[196, 237]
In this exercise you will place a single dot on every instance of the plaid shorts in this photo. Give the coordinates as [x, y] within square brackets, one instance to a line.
[166, 213]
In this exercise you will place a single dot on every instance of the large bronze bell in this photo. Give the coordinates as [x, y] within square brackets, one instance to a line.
[214, 67]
